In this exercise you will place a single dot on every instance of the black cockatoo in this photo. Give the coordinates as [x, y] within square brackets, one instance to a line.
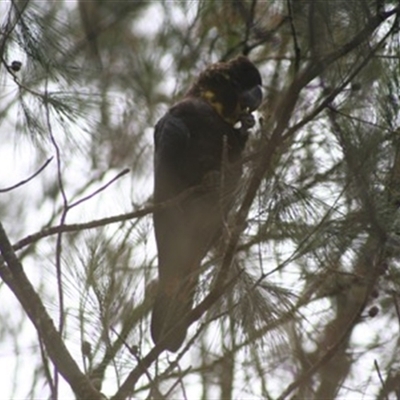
[198, 147]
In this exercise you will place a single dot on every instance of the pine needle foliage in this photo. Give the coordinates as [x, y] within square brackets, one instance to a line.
[299, 299]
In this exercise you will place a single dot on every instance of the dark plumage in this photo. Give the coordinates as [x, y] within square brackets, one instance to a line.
[198, 146]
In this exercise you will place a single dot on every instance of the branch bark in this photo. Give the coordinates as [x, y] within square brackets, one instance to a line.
[19, 284]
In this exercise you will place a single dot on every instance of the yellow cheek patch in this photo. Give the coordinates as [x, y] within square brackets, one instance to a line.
[208, 95]
[216, 105]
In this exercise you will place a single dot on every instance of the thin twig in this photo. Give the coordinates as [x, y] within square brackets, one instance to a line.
[153, 385]
[112, 349]
[326, 103]
[380, 378]
[54, 230]
[396, 306]
[96, 192]
[296, 47]
[23, 182]
[249, 25]
[60, 290]
[46, 366]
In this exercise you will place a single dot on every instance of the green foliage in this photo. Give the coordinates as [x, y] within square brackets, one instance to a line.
[310, 254]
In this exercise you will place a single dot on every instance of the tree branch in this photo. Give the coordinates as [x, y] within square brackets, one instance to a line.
[54, 230]
[19, 284]
[21, 183]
